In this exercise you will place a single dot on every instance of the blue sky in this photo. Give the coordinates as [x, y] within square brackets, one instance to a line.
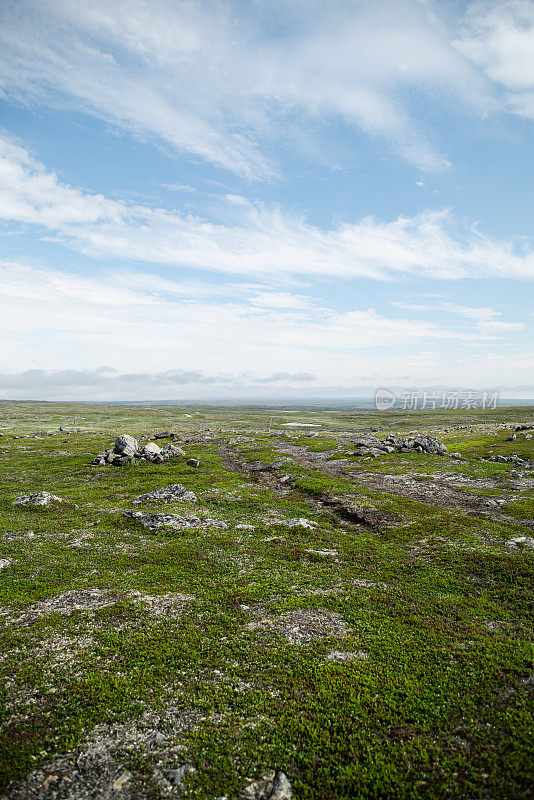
[247, 199]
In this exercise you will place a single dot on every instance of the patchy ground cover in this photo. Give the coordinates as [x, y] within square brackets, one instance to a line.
[358, 628]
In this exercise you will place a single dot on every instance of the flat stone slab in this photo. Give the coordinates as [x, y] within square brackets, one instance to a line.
[176, 521]
[43, 500]
[175, 493]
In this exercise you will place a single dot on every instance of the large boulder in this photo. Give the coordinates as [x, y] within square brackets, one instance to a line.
[151, 450]
[126, 445]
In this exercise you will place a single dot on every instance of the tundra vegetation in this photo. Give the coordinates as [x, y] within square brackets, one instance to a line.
[265, 611]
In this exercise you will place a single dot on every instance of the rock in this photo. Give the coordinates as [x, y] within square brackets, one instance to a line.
[455, 455]
[171, 451]
[43, 500]
[176, 493]
[429, 444]
[164, 435]
[176, 521]
[245, 527]
[150, 450]
[4, 562]
[177, 776]
[126, 445]
[299, 522]
[519, 542]
[342, 656]
[274, 785]
[193, 462]
[511, 438]
[528, 436]
[121, 780]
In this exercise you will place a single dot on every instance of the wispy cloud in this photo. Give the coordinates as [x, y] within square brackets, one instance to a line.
[224, 81]
[250, 238]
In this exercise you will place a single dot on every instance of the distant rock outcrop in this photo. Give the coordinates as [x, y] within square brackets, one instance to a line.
[370, 445]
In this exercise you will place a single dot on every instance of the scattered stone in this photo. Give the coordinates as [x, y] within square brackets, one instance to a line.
[168, 606]
[96, 769]
[121, 780]
[245, 527]
[519, 542]
[154, 521]
[511, 438]
[322, 552]
[176, 493]
[305, 625]
[43, 500]
[299, 522]
[338, 655]
[274, 785]
[177, 776]
[68, 602]
[5, 562]
[193, 462]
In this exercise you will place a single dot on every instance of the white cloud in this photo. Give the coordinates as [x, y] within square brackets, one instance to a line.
[59, 320]
[499, 36]
[253, 239]
[224, 81]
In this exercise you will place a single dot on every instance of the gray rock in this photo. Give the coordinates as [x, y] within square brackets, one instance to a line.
[176, 493]
[176, 521]
[428, 444]
[171, 451]
[299, 522]
[151, 449]
[519, 542]
[274, 785]
[126, 445]
[193, 462]
[177, 776]
[43, 500]
[4, 562]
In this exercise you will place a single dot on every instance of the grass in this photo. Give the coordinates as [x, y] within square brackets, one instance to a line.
[439, 708]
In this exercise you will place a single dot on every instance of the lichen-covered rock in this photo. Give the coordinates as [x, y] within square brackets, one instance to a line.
[43, 500]
[176, 493]
[176, 521]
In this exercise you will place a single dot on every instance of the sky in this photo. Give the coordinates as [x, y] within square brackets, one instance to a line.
[265, 198]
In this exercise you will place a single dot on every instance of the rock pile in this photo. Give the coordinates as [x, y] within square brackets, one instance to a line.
[369, 445]
[127, 450]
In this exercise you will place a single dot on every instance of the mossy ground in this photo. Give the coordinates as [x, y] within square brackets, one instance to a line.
[439, 708]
